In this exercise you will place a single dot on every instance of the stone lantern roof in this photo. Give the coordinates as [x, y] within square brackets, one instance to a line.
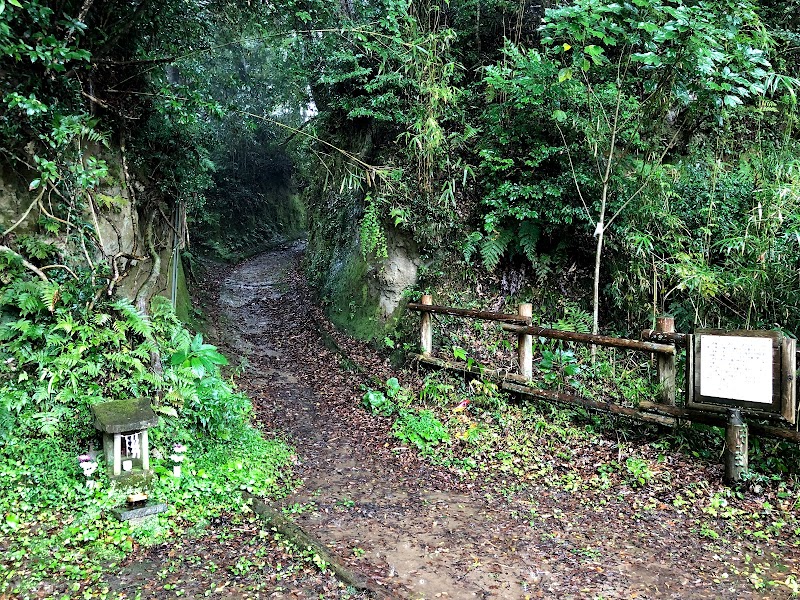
[121, 416]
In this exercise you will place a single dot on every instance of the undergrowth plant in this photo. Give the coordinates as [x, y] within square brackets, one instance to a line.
[62, 349]
[420, 429]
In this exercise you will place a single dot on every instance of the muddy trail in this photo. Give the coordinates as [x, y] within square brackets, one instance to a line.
[413, 529]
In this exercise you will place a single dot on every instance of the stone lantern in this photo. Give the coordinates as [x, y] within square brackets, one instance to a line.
[124, 424]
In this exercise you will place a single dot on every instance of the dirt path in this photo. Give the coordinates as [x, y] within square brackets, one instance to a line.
[412, 528]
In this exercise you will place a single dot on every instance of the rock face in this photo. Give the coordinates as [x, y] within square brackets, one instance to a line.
[396, 273]
[12, 204]
[117, 220]
[361, 294]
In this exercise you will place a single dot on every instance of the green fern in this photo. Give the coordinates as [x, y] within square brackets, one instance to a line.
[529, 234]
[493, 247]
[136, 320]
[470, 245]
[50, 294]
[373, 237]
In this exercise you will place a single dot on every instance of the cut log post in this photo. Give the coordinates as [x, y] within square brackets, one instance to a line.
[666, 363]
[426, 328]
[525, 345]
[735, 447]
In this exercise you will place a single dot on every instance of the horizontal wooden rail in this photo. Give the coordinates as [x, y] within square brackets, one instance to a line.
[515, 383]
[649, 412]
[497, 374]
[671, 337]
[719, 420]
[611, 407]
[588, 338]
[484, 315]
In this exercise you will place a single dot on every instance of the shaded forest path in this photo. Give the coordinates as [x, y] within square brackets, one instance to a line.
[414, 529]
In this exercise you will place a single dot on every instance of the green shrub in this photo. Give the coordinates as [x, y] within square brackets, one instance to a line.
[422, 429]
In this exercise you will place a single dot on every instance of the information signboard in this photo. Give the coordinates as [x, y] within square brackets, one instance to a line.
[750, 370]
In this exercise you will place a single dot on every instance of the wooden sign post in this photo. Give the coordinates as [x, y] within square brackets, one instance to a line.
[735, 447]
[748, 373]
[753, 371]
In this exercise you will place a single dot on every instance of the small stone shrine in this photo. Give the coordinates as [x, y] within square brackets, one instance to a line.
[124, 424]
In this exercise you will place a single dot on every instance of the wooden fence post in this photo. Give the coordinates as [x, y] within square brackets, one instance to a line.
[735, 447]
[525, 345]
[666, 363]
[426, 328]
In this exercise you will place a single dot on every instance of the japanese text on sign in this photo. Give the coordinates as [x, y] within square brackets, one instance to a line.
[736, 368]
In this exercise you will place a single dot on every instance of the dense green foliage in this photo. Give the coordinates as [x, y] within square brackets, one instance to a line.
[53, 366]
[579, 142]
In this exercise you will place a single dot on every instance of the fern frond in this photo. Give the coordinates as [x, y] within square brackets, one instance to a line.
[529, 234]
[50, 294]
[137, 320]
[471, 245]
[493, 247]
[101, 319]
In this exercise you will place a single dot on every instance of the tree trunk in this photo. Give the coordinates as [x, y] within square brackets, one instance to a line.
[596, 297]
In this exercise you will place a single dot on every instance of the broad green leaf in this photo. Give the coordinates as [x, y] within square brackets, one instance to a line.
[731, 100]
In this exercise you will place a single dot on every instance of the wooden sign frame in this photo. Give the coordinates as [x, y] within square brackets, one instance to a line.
[783, 402]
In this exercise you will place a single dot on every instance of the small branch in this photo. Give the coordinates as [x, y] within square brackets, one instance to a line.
[25, 216]
[647, 179]
[294, 133]
[25, 263]
[50, 215]
[96, 100]
[574, 176]
[87, 4]
[65, 267]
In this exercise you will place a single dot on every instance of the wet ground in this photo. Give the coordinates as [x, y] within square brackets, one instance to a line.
[413, 529]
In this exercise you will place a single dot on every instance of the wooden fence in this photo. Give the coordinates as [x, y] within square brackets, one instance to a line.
[663, 342]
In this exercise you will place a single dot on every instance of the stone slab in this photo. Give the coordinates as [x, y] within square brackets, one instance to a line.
[124, 513]
[122, 416]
